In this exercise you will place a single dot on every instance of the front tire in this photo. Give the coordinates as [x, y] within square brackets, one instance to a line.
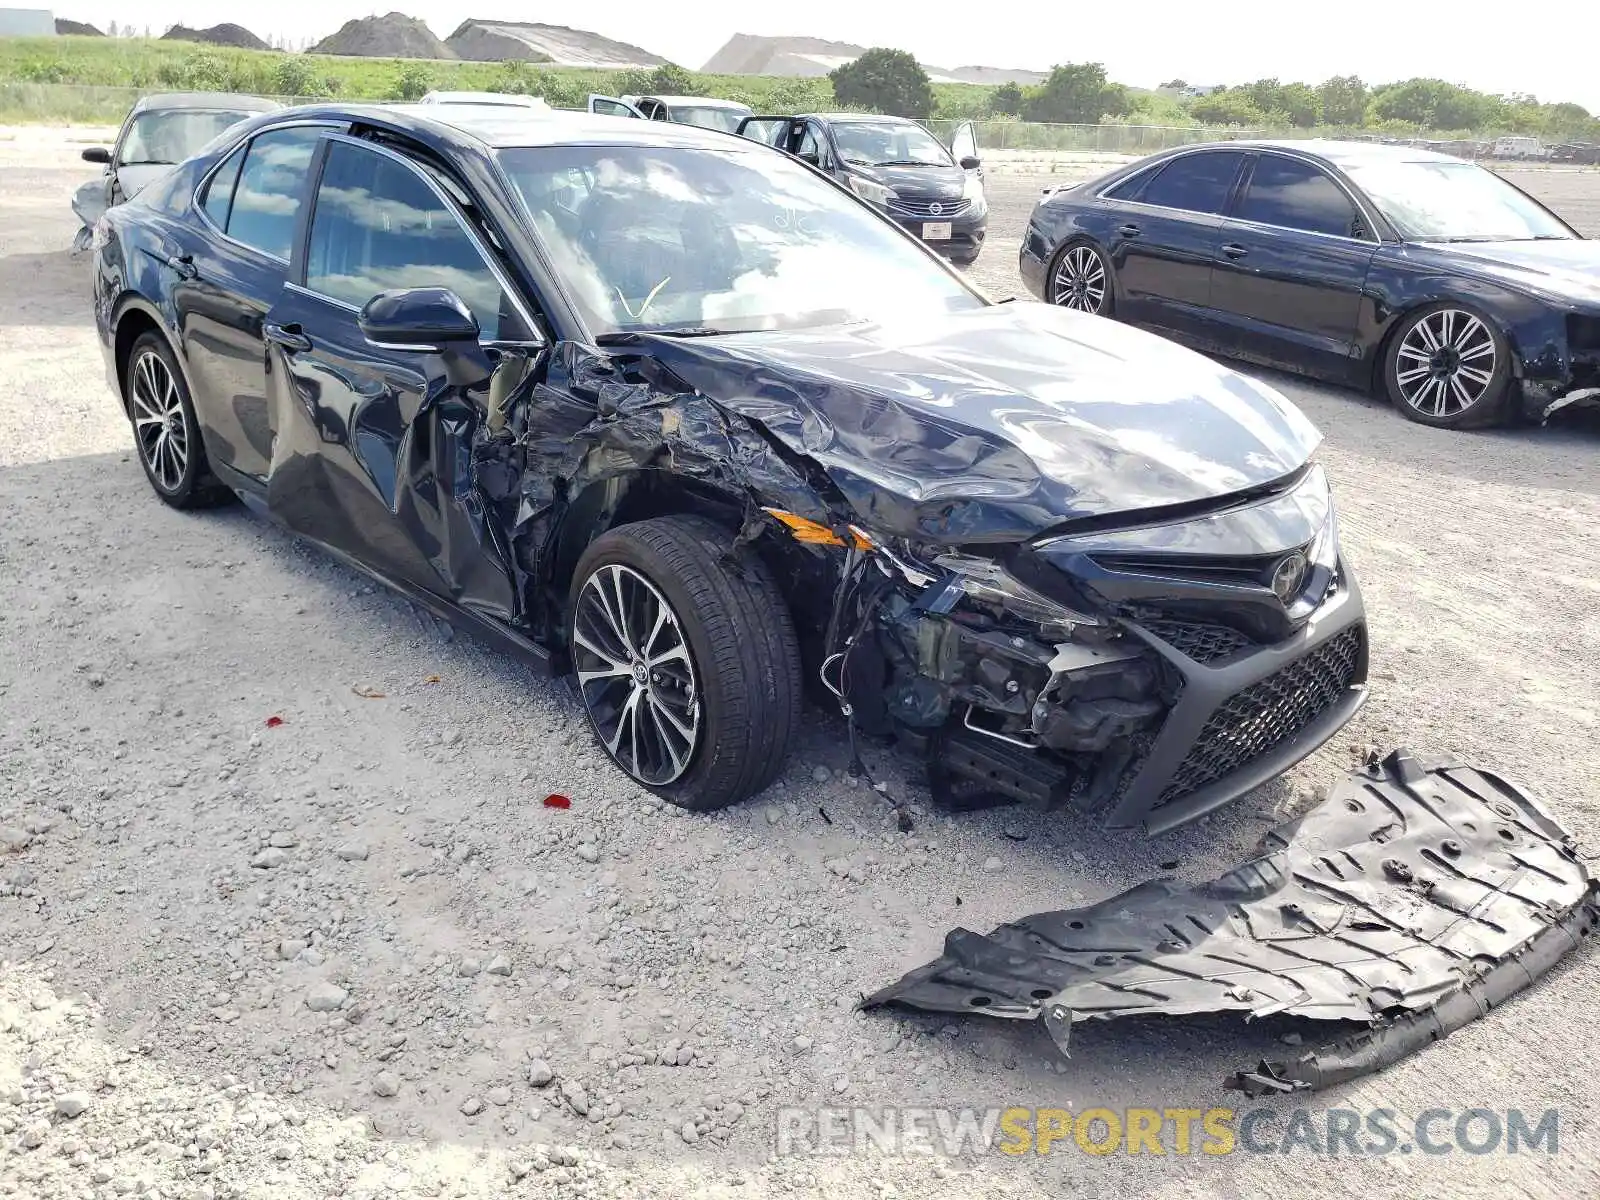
[687, 665]
[1449, 367]
[1080, 279]
[165, 430]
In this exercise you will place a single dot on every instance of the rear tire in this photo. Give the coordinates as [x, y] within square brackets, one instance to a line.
[1081, 279]
[166, 433]
[1448, 366]
[714, 683]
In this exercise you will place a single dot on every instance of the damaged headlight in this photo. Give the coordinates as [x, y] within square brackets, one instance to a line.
[984, 582]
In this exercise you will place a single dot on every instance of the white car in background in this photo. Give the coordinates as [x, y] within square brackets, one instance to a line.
[708, 112]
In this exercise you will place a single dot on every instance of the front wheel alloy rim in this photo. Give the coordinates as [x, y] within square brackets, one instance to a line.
[158, 424]
[1445, 363]
[636, 675]
[1080, 281]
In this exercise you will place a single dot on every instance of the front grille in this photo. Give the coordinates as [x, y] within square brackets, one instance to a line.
[1264, 715]
[922, 208]
[1205, 643]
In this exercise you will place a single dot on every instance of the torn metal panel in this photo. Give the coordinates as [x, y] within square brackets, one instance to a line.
[1414, 898]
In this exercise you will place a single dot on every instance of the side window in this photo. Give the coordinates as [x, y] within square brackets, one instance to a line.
[219, 192]
[379, 226]
[271, 188]
[1194, 183]
[1130, 187]
[1296, 195]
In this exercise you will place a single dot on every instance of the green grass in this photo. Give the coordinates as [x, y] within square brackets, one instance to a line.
[76, 78]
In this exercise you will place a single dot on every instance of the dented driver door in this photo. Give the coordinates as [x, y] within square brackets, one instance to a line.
[376, 446]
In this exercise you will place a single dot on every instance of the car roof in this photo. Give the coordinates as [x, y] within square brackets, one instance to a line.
[500, 126]
[495, 99]
[861, 116]
[230, 101]
[1337, 152]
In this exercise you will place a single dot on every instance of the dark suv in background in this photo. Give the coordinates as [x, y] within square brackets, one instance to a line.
[933, 190]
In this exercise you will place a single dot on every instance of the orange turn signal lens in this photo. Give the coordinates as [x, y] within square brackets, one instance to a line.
[813, 533]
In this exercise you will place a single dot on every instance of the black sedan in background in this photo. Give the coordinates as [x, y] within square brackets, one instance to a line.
[1388, 268]
[932, 190]
[159, 132]
[660, 407]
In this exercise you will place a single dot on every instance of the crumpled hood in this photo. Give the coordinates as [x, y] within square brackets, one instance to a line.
[1567, 270]
[996, 424]
[135, 178]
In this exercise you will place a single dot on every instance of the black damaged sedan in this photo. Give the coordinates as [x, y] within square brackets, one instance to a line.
[670, 412]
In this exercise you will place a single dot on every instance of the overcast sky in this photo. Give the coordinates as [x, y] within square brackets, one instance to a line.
[1537, 46]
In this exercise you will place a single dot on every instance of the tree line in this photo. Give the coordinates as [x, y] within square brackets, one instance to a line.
[1080, 94]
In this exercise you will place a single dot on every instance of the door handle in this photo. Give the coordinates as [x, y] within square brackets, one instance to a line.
[1234, 250]
[288, 336]
[183, 264]
[1129, 231]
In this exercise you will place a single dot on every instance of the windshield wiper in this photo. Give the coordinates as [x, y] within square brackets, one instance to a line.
[623, 337]
[909, 162]
[146, 162]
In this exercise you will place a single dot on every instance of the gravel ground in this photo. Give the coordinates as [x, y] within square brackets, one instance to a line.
[351, 954]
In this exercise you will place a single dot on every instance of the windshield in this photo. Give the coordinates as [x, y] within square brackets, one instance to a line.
[175, 134]
[664, 238]
[889, 143]
[710, 117]
[1453, 201]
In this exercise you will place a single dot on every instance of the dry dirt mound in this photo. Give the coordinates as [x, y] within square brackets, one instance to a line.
[393, 35]
[806, 57]
[68, 28]
[496, 41]
[226, 34]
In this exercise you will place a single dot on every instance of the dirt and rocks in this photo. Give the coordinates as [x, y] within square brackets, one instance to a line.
[499, 41]
[393, 35]
[283, 913]
[226, 34]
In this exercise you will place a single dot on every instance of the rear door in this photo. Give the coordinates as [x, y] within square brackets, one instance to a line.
[374, 445]
[1288, 282]
[244, 239]
[1165, 235]
[610, 106]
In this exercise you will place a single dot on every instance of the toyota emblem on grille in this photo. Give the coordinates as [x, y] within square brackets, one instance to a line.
[1288, 575]
[935, 209]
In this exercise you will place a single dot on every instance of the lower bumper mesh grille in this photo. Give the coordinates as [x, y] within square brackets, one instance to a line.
[1265, 714]
[1202, 642]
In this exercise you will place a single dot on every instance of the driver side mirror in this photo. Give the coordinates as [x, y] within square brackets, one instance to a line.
[970, 163]
[97, 154]
[423, 318]
[814, 159]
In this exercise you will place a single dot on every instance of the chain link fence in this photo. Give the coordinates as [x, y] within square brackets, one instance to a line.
[1009, 135]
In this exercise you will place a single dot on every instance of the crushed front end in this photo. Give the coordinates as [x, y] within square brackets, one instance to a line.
[1148, 673]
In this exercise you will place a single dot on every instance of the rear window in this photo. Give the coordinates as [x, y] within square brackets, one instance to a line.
[1195, 183]
[271, 188]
